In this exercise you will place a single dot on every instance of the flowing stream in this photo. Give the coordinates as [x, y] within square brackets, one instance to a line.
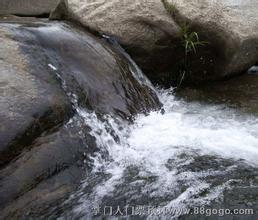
[190, 155]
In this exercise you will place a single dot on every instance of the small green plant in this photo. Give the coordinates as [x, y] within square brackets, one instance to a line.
[190, 39]
[171, 8]
[190, 43]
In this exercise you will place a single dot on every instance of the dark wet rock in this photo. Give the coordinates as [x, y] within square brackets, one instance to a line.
[152, 32]
[50, 72]
[31, 101]
[27, 7]
[93, 70]
[47, 173]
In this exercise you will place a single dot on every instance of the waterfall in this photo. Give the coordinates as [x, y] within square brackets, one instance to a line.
[190, 154]
[134, 68]
[184, 158]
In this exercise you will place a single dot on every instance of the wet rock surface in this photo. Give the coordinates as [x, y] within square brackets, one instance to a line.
[50, 72]
[44, 175]
[144, 28]
[100, 77]
[32, 100]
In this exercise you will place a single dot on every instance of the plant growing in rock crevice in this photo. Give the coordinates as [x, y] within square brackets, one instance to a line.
[190, 43]
[170, 8]
[190, 39]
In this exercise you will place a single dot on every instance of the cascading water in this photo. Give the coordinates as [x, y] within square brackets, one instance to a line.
[189, 155]
[185, 158]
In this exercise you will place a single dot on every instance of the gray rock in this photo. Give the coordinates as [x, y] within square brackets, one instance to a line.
[47, 173]
[49, 71]
[151, 31]
[230, 29]
[144, 28]
[27, 7]
[29, 105]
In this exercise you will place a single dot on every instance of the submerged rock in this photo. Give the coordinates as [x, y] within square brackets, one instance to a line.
[153, 32]
[52, 74]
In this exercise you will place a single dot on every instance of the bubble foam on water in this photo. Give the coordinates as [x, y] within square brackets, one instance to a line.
[173, 158]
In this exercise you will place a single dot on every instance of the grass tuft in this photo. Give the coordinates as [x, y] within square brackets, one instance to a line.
[171, 8]
[190, 39]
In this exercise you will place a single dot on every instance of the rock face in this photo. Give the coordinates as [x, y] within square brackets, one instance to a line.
[153, 33]
[50, 73]
[31, 100]
[231, 33]
[144, 28]
[27, 7]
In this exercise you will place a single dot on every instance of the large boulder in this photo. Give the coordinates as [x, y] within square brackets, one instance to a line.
[155, 34]
[230, 30]
[56, 82]
[31, 99]
[144, 28]
[27, 7]
[46, 174]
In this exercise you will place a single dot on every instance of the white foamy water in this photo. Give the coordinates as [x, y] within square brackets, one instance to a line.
[209, 129]
[173, 159]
